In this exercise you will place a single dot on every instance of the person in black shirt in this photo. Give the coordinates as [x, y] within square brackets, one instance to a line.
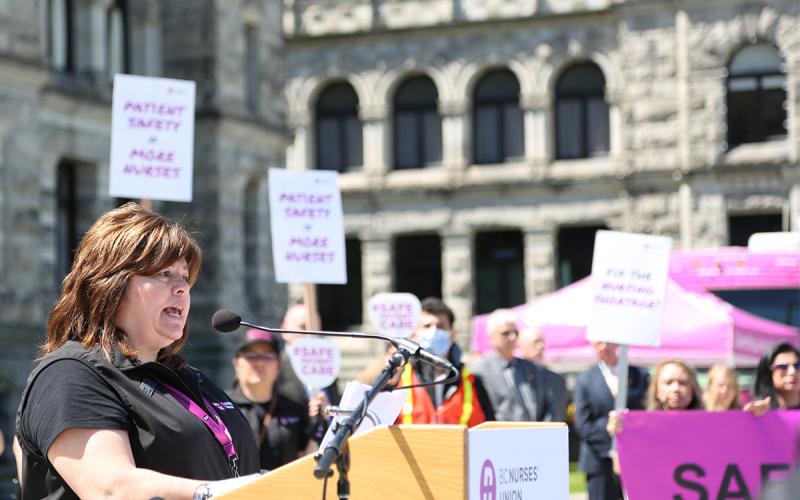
[112, 408]
[279, 424]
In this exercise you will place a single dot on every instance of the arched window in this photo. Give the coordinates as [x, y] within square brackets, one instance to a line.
[60, 38]
[117, 38]
[339, 143]
[417, 124]
[581, 113]
[497, 118]
[756, 97]
[251, 229]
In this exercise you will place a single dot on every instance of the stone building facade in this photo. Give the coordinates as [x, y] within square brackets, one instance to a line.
[670, 164]
[660, 162]
[55, 95]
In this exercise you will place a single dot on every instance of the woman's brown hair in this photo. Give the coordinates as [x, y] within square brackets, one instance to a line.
[127, 241]
[652, 390]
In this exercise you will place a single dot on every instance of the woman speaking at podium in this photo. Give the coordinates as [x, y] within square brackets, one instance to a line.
[112, 409]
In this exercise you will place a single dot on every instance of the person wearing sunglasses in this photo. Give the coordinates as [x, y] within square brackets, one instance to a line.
[777, 380]
[279, 424]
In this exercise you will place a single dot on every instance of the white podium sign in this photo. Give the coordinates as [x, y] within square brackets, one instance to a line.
[519, 463]
[629, 280]
[152, 138]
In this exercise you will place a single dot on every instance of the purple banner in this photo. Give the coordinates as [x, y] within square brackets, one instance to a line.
[690, 455]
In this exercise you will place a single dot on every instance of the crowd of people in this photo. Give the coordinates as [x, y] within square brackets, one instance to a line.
[111, 392]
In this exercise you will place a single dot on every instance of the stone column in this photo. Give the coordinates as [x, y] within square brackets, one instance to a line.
[374, 140]
[376, 267]
[458, 291]
[540, 262]
[685, 215]
[456, 134]
[615, 129]
[298, 154]
[794, 208]
[537, 129]
[99, 35]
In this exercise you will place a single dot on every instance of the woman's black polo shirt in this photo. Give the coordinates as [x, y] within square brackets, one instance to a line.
[75, 387]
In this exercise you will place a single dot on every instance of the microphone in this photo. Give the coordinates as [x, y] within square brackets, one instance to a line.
[226, 321]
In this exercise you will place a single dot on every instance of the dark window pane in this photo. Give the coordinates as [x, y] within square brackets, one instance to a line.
[741, 227]
[499, 270]
[569, 129]
[338, 129]
[251, 230]
[581, 113]
[514, 136]
[432, 135]
[487, 135]
[756, 96]
[406, 140]
[597, 114]
[417, 125]
[329, 145]
[340, 305]
[418, 265]
[782, 305]
[354, 142]
[575, 252]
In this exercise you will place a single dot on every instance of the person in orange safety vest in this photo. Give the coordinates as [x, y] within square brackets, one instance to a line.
[462, 402]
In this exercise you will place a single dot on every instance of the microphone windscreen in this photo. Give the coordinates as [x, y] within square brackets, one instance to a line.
[225, 321]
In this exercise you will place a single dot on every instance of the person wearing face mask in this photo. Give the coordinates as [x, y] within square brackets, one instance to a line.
[462, 402]
[516, 386]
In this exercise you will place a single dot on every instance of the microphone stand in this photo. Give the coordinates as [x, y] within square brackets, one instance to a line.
[338, 449]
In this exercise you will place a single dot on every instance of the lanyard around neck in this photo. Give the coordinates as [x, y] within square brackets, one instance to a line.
[212, 421]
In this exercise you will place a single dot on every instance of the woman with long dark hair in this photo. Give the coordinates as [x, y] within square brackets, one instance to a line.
[777, 380]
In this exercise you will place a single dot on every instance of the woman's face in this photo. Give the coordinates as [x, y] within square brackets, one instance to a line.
[257, 365]
[673, 387]
[154, 309]
[722, 389]
[784, 373]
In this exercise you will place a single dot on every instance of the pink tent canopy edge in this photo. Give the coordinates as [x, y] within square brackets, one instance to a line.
[698, 327]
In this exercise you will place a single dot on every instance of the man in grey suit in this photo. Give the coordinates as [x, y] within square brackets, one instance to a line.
[516, 386]
[531, 347]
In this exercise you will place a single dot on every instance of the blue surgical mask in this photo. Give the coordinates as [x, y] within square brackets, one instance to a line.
[437, 341]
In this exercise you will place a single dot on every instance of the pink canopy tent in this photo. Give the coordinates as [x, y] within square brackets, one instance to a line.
[696, 326]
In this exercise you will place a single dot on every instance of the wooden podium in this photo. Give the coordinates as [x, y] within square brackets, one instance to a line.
[402, 462]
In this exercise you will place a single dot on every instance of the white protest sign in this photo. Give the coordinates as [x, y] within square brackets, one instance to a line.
[307, 226]
[316, 361]
[152, 137]
[394, 314]
[629, 279]
[519, 463]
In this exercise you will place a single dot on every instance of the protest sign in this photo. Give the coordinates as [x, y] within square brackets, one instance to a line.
[394, 314]
[152, 138]
[696, 454]
[629, 276]
[316, 361]
[307, 227]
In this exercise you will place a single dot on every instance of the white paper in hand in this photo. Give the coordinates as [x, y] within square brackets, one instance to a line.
[386, 407]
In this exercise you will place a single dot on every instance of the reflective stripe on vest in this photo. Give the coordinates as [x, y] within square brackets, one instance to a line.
[466, 408]
[466, 404]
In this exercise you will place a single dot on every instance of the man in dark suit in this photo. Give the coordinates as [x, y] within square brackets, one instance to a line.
[595, 392]
[516, 386]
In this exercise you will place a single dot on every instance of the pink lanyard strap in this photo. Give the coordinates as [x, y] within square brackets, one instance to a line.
[213, 422]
